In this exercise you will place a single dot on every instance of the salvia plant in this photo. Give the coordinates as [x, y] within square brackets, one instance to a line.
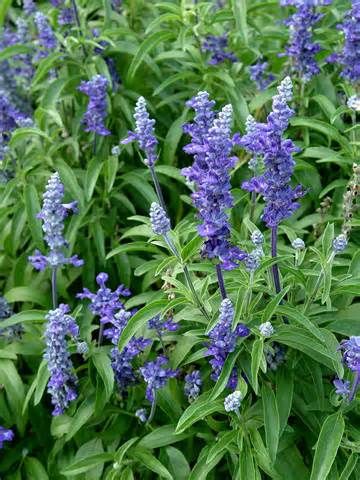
[179, 241]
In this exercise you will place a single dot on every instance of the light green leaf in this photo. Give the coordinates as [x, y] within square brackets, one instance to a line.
[27, 294]
[102, 364]
[271, 421]
[256, 358]
[327, 446]
[150, 462]
[198, 411]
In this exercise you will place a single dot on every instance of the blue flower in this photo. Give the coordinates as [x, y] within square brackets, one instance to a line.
[192, 385]
[95, 114]
[63, 381]
[160, 222]
[144, 132]
[266, 140]
[211, 145]
[223, 341]
[47, 39]
[233, 401]
[53, 214]
[259, 76]
[155, 376]
[6, 435]
[217, 46]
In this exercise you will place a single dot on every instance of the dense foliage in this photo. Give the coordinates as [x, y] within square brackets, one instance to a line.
[179, 243]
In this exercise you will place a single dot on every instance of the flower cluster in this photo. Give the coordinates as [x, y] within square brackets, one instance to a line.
[217, 46]
[62, 383]
[155, 376]
[351, 358]
[6, 435]
[301, 48]
[266, 139]
[233, 401]
[192, 385]
[211, 145]
[95, 114]
[266, 329]
[66, 16]
[259, 75]
[159, 220]
[106, 304]
[275, 355]
[53, 214]
[162, 325]
[47, 39]
[349, 57]
[29, 7]
[144, 132]
[223, 341]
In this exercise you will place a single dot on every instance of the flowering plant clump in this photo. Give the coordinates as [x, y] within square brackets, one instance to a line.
[179, 241]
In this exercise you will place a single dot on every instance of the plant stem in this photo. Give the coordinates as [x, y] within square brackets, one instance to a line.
[221, 281]
[197, 300]
[275, 268]
[77, 18]
[54, 287]
[101, 332]
[157, 187]
[95, 145]
[252, 205]
[153, 407]
[355, 386]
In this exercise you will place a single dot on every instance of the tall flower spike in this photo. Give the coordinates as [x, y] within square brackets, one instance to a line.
[192, 385]
[351, 357]
[47, 39]
[62, 383]
[259, 75]
[349, 57]
[301, 49]
[94, 118]
[223, 341]
[211, 146]
[53, 214]
[160, 222]
[144, 132]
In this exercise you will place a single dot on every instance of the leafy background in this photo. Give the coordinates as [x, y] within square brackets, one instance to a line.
[292, 424]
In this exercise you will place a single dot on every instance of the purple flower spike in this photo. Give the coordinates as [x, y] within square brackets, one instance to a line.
[223, 341]
[266, 140]
[192, 385]
[29, 7]
[351, 358]
[211, 146]
[53, 214]
[301, 48]
[349, 57]
[105, 302]
[259, 76]
[160, 222]
[5, 436]
[47, 39]
[62, 383]
[156, 376]
[217, 46]
[144, 132]
[66, 16]
[95, 114]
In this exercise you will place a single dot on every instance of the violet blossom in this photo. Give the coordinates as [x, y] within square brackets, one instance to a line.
[6, 435]
[259, 75]
[155, 376]
[53, 215]
[211, 144]
[351, 358]
[94, 118]
[47, 39]
[192, 385]
[63, 381]
[217, 46]
[223, 341]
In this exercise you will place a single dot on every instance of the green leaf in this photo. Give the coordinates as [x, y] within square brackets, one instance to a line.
[34, 469]
[13, 50]
[257, 353]
[24, 133]
[240, 11]
[87, 463]
[70, 181]
[178, 465]
[133, 247]
[161, 437]
[171, 142]
[327, 446]
[138, 320]
[192, 248]
[247, 468]
[284, 395]
[32, 207]
[4, 6]
[198, 411]
[14, 388]
[202, 467]
[92, 174]
[222, 442]
[149, 461]
[121, 451]
[349, 467]
[102, 364]
[41, 381]
[322, 127]
[27, 294]
[24, 317]
[272, 305]
[271, 421]
[148, 44]
[224, 376]
[111, 168]
[81, 416]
